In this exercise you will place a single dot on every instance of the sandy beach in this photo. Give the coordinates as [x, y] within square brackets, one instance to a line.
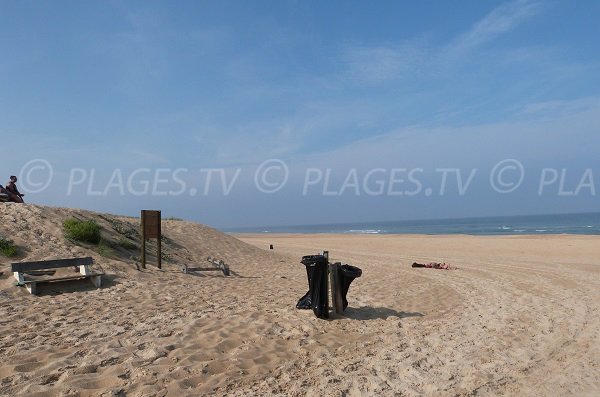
[520, 316]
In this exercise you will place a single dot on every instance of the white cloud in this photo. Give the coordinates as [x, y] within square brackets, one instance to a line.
[377, 64]
[555, 107]
[501, 20]
[410, 59]
[570, 130]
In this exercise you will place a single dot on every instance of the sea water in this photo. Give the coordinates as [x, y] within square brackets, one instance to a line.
[588, 223]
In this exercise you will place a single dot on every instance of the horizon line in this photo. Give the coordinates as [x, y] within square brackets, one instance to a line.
[233, 229]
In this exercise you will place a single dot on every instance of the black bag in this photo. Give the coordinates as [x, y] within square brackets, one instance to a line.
[317, 297]
[349, 273]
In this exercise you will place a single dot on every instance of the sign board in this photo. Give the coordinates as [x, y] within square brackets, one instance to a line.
[151, 222]
[151, 229]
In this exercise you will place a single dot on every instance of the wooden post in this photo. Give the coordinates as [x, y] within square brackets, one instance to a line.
[326, 283]
[335, 270]
[158, 242]
[143, 240]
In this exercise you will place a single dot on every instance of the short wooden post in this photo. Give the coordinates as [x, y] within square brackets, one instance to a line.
[335, 270]
[326, 283]
[158, 242]
[143, 241]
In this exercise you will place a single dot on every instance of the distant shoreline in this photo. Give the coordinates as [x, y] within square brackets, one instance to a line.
[560, 224]
[410, 235]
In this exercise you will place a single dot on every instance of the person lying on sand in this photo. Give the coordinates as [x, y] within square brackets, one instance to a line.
[434, 265]
[13, 193]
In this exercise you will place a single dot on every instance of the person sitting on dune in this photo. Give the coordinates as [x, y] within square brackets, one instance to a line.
[13, 193]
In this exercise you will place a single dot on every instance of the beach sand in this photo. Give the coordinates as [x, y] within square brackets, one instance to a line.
[520, 316]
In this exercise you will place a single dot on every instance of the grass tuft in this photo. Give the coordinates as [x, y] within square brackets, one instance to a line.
[127, 244]
[85, 231]
[7, 248]
[105, 249]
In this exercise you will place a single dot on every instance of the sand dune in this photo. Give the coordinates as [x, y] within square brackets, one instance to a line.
[519, 317]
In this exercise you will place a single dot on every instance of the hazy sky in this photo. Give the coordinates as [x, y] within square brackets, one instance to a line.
[379, 110]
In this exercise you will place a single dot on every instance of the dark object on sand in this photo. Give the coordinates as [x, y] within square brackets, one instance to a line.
[317, 297]
[341, 278]
[319, 272]
[270, 246]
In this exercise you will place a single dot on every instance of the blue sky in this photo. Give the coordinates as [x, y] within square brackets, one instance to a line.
[339, 85]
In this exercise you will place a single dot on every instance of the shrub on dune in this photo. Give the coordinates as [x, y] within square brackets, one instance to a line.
[7, 248]
[85, 231]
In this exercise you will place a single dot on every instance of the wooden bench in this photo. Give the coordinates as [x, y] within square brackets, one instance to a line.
[20, 270]
[219, 266]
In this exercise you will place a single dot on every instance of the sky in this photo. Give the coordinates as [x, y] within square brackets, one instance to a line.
[241, 114]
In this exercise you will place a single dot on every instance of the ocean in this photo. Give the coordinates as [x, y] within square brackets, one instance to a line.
[586, 224]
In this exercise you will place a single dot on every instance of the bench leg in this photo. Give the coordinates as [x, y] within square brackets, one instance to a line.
[97, 280]
[19, 277]
[32, 288]
[85, 270]
[225, 270]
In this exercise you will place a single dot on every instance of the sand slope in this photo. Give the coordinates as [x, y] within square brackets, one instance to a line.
[146, 332]
[520, 317]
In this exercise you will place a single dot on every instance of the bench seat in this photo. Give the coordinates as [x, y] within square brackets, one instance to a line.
[82, 265]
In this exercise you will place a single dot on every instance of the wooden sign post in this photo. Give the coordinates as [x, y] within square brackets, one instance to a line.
[325, 283]
[335, 274]
[151, 229]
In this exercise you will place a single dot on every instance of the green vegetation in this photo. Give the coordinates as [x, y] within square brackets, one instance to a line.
[7, 247]
[85, 231]
[105, 249]
[165, 256]
[123, 228]
[127, 244]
